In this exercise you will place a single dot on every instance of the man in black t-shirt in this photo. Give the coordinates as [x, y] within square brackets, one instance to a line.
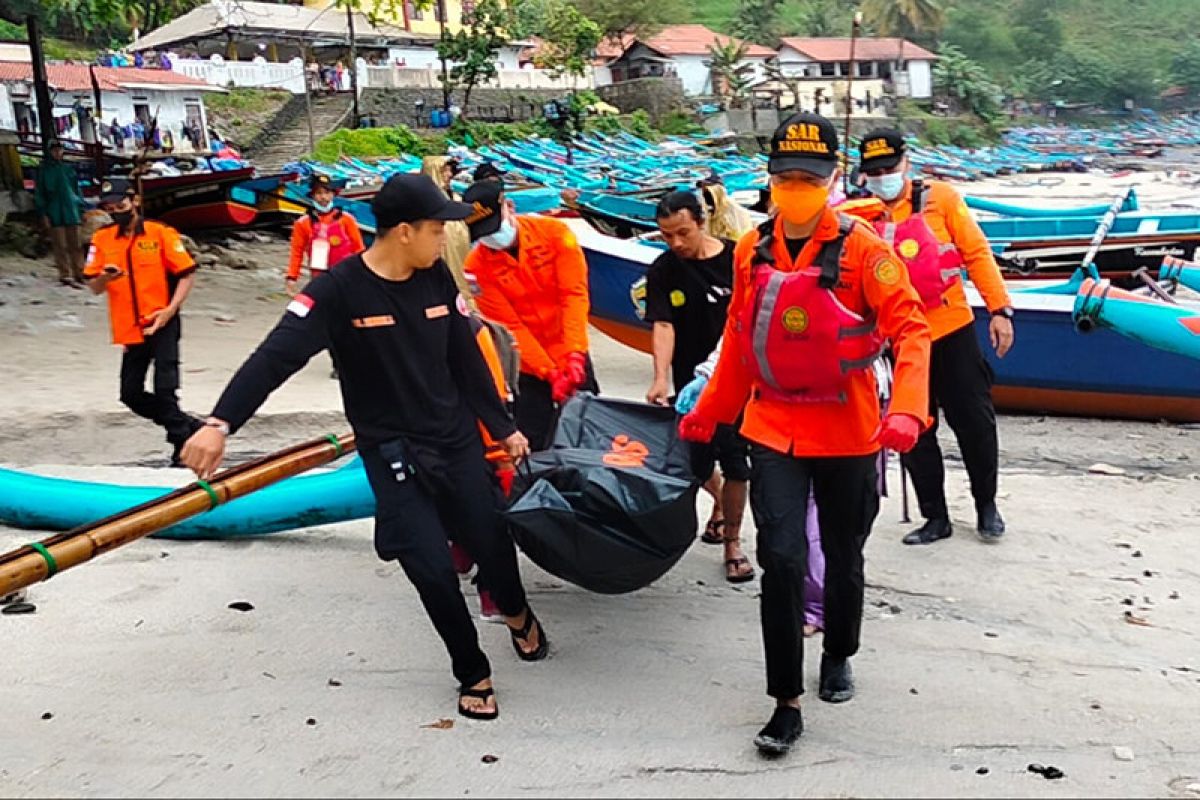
[415, 388]
[687, 296]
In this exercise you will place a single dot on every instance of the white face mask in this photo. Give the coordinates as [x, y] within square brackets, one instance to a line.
[503, 238]
[887, 187]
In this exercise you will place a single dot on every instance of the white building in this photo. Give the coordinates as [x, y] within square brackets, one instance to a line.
[684, 51]
[905, 69]
[127, 94]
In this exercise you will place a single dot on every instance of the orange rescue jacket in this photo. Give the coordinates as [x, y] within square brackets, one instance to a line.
[872, 283]
[302, 237]
[151, 259]
[541, 295]
[951, 222]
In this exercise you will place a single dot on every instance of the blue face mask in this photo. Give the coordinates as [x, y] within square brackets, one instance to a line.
[323, 208]
[503, 238]
[887, 187]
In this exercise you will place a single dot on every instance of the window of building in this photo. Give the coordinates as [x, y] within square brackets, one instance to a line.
[865, 69]
[843, 68]
[413, 12]
[828, 69]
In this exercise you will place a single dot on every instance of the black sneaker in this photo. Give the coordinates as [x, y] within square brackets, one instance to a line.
[990, 523]
[930, 532]
[785, 727]
[837, 681]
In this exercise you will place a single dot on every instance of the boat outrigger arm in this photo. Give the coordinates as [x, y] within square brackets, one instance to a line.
[39, 561]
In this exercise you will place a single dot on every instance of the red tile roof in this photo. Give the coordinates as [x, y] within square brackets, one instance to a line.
[865, 49]
[695, 40]
[75, 77]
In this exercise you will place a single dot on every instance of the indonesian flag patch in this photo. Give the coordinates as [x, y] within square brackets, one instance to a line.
[300, 306]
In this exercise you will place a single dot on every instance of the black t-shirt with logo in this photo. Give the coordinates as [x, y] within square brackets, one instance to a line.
[692, 295]
[407, 358]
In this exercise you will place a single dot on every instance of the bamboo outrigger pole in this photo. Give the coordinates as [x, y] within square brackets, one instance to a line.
[42, 560]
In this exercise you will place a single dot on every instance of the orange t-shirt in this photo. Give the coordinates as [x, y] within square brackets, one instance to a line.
[150, 259]
[873, 282]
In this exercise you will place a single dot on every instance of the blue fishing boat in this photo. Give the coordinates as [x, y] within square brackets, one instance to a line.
[1053, 368]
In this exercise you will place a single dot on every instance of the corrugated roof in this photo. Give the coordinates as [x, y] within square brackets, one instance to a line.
[75, 77]
[865, 49]
[266, 19]
[695, 40]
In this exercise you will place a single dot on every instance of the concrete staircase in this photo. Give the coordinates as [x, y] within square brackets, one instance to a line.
[289, 142]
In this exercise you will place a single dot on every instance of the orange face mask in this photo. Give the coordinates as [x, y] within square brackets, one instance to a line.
[798, 202]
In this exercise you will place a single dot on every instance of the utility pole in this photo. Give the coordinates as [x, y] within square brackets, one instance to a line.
[41, 85]
[441, 4]
[353, 59]
[312, 139]
[850, 100]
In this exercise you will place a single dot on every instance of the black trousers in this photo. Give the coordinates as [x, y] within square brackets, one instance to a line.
[960, 384]
[162, 405]
[535, 411]
[847, 502]
[728, 449]
[421, 500]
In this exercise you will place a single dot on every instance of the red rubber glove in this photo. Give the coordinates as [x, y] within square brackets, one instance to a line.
[576, 369]
[695, 428]
[899, 432]
[561, 386]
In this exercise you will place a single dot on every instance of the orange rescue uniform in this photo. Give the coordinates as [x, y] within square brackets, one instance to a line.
[872, 283]
[151, 259]
[302, 238]
[541, 296]
[950, 220]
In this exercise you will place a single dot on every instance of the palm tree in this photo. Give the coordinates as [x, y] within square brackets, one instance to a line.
[726, 64]
[903, 18]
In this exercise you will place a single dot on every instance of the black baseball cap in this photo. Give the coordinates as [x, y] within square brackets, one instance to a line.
[487, 201]
[487, 170]
[411, 198]
[321, 182]
[113, 192]
[882, 148]
[804, 141]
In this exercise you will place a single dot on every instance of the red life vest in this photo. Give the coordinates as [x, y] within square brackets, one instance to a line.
[334, 233]
[933, 267]
[798, 340]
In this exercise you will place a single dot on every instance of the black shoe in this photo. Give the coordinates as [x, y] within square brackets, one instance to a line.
[991, 524]
[837, 681]
[785, 727]
[930, 532]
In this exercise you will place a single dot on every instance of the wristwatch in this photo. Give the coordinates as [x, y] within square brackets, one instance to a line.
[221, 425]
[1006, 312]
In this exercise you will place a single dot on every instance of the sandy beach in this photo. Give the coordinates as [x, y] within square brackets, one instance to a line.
[1075, 642]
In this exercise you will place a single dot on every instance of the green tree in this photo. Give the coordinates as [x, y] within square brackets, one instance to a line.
[730, 74]
[473, 49]
[756, 21]
[640, 18]
[1037, 25]
[816, 17]
[965, 84]
[569, 39]
[907, 19]
[1185, 67]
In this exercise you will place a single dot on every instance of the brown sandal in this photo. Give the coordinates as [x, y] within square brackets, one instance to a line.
[714, 532]
[732, 564]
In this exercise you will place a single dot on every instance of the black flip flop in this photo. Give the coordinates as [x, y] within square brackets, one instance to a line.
[712, 532]
[543, 648]
[480, 694]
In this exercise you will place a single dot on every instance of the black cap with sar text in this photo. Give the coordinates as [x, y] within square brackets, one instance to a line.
[882, 148]
[412, 198]
[486, 199]
[804, 141]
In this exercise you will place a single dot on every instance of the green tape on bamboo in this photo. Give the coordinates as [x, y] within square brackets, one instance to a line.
[51, 564]
[213, 499]
[337, 446]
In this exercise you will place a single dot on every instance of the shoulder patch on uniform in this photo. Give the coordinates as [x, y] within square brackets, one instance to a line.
[568, 239]
[300, 306]
[887, 271]
[678, 298]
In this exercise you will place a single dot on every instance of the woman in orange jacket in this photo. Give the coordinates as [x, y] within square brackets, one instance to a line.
[960, 377]
[532, 279]
[815, 294]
